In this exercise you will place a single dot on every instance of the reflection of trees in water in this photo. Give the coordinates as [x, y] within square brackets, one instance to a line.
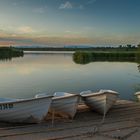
[138, 60]
[7, 53]
[87, 57]
[82, 58]
[5, 59]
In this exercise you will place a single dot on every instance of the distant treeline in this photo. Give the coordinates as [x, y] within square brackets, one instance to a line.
[76, 48]
[9, 52]
[84, 57]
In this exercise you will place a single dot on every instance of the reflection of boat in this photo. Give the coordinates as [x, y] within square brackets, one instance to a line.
[65, 104]
[101, 101]
[137, 94]
[139, 67]
[24, 110]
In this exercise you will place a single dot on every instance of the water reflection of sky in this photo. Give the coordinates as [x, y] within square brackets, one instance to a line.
[24, 77]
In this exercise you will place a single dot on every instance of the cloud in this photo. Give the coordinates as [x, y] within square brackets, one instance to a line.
[25, 30]
[69, 39]
[15, 31]
[68, 31]
[66, 5]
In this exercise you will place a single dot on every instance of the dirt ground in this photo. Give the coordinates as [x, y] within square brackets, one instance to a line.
[122, 122]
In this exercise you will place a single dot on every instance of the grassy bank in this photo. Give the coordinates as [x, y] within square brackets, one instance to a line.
[9, 52]
[84, 57]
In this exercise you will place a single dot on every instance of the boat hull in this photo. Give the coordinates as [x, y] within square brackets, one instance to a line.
[102, 102]
[137, 94]
[65, 106]
[25, 111]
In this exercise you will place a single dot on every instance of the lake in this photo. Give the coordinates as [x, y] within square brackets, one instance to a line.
[50, 72]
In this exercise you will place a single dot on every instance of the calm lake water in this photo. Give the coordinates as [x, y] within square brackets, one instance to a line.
[34, 73]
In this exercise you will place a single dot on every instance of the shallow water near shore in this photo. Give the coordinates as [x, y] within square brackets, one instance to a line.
[34, 73]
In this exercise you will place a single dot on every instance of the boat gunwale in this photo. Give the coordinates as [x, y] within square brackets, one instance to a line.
[98, 94]
[25, 100]
[137, 93]
[63, 97]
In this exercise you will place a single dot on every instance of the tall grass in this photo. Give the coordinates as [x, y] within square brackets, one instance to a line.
[84, 57]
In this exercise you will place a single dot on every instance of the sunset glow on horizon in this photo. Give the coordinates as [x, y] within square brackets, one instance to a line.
[69, 22]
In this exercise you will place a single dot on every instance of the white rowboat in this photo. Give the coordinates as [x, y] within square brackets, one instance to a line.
[101, 101]
[137, 94]
[24, 110]
[65, 104]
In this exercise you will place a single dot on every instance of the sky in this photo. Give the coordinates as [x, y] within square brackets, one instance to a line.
[69, 22]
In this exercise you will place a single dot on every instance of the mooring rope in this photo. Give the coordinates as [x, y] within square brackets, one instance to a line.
[96, 128]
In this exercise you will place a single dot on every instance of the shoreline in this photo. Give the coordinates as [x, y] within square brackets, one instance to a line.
[121, 122]
[49, 52]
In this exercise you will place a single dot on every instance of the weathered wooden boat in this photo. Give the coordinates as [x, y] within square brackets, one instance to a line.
[65, 104]
[24, 110]
[100, 101]
[137, 94]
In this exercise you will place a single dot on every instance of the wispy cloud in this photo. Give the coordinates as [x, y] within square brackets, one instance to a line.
[25, 30]
[68, 31]
[66, 5]
[69, 39]
[10, 40]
